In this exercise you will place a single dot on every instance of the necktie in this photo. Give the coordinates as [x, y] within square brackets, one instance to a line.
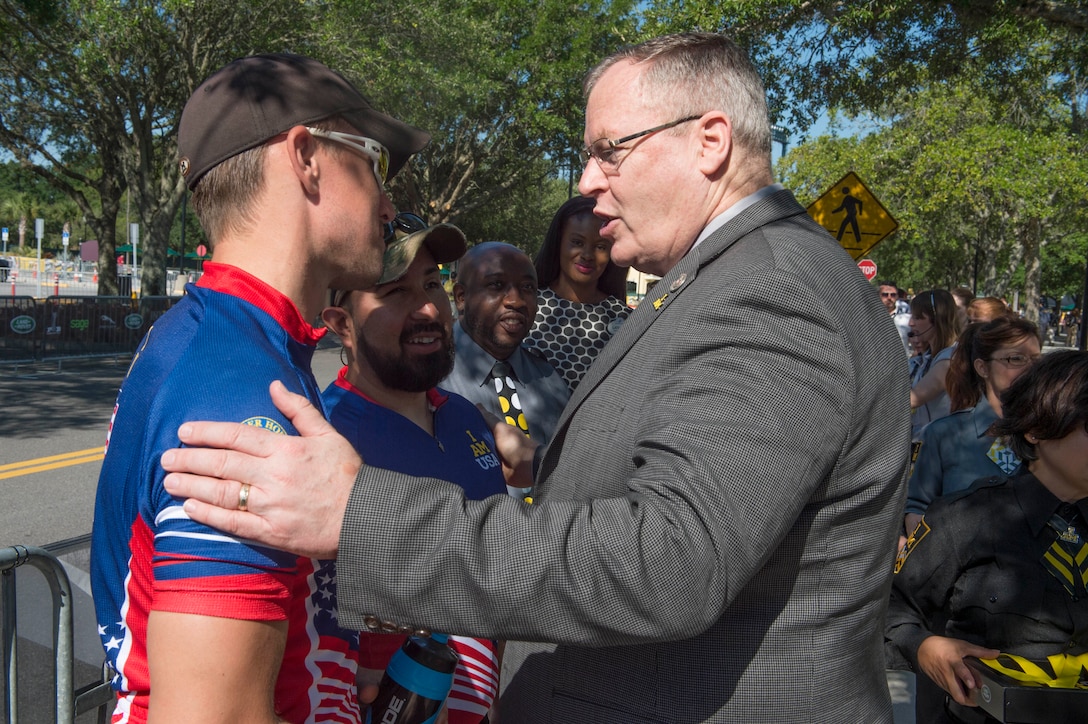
[503, 379]
[1067, 556]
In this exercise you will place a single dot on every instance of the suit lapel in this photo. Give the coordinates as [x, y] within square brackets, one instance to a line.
[776, 206]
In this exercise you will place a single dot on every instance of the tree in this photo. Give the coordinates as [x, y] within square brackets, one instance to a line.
[978, 198]
[498, 84]
[23, 207]
[95, 91]
[855, 56]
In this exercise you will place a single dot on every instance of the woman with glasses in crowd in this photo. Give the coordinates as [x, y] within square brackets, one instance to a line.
[933, 320]
[956, 450]
[582, 295]
[996, 571]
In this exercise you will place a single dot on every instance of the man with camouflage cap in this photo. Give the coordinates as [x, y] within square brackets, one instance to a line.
[398, 344]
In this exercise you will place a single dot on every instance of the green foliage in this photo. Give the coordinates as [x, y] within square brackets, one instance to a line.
[94, 90]
[1064, 266]
[498, 84]
[968, 188]
[817, 54]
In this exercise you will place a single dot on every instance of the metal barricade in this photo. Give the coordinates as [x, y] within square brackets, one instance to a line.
[19, 333]
[60, 327]
[70, 700]
[89, 326]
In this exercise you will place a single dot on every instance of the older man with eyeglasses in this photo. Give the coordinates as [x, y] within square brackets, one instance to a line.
[287, 164]
[714, 521]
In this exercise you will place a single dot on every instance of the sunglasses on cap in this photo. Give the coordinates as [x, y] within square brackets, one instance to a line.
[366, 147]
[404, 223]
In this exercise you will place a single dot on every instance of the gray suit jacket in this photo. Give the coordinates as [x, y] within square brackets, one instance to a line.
[542, 391]
[716, 515]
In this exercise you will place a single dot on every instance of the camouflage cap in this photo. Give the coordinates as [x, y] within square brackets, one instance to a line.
[445, 242]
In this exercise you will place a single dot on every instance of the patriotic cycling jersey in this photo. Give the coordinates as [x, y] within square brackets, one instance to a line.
[461, 451]
[211, 357]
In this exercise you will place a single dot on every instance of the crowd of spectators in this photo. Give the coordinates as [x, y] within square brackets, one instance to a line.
[990, 574]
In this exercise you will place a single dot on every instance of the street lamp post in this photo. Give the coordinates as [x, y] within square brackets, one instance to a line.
[134, 240]
[781, 136]
[39, 231]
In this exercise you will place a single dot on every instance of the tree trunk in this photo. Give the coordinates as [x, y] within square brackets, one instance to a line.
[1032, 269]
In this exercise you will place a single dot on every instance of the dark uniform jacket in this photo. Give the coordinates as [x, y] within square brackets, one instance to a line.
[976, 561]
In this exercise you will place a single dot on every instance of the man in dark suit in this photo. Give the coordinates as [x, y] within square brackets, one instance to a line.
[717, 512]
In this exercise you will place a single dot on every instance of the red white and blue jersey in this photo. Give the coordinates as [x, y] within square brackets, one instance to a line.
[211, 357]
[462, 451]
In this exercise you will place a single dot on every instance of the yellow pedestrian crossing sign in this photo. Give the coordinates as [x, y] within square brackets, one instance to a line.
[850, 212]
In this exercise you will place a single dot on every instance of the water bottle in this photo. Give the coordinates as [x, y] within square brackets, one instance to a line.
[416, 682]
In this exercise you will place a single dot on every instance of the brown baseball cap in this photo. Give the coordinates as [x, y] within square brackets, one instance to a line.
[253, 99]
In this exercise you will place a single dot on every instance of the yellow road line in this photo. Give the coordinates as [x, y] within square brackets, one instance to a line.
[51, 462]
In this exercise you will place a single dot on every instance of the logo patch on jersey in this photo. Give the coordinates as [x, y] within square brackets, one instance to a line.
[265, 422]
[912, 542]
[482, 452]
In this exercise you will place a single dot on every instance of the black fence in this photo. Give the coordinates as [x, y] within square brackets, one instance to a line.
[59, 327]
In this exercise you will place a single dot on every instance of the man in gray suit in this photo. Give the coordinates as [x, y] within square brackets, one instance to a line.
[717, 513]
[495, 295]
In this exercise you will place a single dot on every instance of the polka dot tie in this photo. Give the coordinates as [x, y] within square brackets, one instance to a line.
[502, 377]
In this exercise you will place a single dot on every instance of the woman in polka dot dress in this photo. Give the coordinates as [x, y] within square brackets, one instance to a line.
[581, 300]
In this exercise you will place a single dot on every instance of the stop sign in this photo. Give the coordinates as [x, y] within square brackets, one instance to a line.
[868, 268]
[202, 250]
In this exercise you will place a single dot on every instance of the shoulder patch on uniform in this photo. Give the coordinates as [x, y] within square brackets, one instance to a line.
[920, 532]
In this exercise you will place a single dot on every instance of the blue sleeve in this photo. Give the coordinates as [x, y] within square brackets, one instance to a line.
[926, 481]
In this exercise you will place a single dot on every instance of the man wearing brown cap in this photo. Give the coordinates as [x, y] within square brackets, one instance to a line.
[287, 162]
[398, 342]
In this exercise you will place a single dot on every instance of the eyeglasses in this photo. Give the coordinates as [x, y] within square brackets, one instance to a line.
[1016, 361]
[405, 223]
[604, 149]
[368, 147]
[890, 294]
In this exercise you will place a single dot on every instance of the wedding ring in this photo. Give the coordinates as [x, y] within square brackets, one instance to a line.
[243, 497]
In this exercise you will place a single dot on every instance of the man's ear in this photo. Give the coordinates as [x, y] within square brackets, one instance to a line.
[337, 319]
[715, 135]
[301, 149]
[459, 297]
